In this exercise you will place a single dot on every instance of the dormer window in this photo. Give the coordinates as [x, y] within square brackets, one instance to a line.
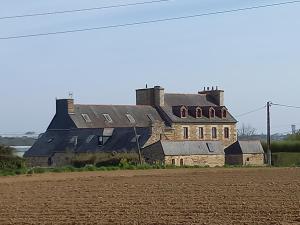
[212, 113]
[224, 113]
[198, 112]
[183, 112]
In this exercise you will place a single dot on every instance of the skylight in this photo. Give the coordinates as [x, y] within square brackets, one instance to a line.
[130, 118]
[90, 138]
[86, 118]
[107, 118]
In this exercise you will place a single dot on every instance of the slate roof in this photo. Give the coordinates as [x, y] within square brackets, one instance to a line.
[191, 100]
[176, 148]
[245, 147]
[53, 141]
[117, 113]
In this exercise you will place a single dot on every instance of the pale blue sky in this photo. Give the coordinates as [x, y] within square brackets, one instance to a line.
[254, 56]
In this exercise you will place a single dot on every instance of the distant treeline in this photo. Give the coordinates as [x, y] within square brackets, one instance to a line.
[17, 141]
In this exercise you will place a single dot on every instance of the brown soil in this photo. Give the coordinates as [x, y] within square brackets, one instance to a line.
[183, 196]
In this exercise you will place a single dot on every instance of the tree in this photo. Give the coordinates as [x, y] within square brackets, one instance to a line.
[246, 131]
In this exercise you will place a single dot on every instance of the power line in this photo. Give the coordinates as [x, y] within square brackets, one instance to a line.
[286, 106]
[81, 10]
[149, 21]
[250, 112]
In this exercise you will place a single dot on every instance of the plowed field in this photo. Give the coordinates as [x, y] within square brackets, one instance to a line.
[181, 196]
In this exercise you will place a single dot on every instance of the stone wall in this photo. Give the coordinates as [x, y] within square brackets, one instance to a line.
[177, 133]
[253, 159]
[58, 160]
[197, 160]
[245, 159]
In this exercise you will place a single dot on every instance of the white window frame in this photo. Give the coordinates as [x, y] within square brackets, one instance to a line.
[107, 117]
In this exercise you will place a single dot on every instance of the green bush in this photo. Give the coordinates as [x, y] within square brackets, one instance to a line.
[284, 146]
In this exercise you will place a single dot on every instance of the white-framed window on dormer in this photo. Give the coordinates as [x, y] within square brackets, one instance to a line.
[198, 112]
[183, 112]
[212, 113]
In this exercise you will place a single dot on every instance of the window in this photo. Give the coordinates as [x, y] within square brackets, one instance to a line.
[186, 133]
[107, 118]
[198, 112]
[212, 113]
[214, 133]
[248, 159]
[183, 112]
[210, 147]
[173, 162]
[86, 118]
[50, 140]
[90, 138]
[151, 118]
[224, 113]
[201, 133]
[226, 132]
[181, 162]
[130, 118]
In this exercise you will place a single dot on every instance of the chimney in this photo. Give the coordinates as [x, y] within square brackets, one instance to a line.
[65, 106]
[215, 95]
[151, 96]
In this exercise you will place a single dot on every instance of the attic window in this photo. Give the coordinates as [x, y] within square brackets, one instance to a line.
[212, 113]
[130, 118]
[224, 113]
[86, 118]
[183, 112]
[107, 118]
[198, 113]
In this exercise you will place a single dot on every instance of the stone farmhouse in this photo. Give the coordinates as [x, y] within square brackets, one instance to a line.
[188, 129]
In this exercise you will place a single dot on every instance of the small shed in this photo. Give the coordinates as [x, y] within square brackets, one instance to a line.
[245, 153]
[185, 153]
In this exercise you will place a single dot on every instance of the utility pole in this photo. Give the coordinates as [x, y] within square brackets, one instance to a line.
[138, 145]
[269, 153]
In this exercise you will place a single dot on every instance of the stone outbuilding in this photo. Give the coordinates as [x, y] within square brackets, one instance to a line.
[247, 153]
[185, 153]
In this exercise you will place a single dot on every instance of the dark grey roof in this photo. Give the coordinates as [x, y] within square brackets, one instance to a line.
[117, 113]
[245, 147]
[53, 141]
[174, 148]
[191, 100]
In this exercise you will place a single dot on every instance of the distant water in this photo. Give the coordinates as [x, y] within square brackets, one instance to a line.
[20, 150]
